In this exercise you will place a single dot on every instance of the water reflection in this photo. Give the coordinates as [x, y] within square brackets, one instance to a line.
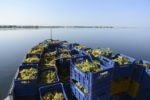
[15, 43]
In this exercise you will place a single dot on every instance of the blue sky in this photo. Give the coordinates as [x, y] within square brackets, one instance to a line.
[75, 12]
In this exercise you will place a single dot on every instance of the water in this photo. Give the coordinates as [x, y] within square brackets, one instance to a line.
[14, 44]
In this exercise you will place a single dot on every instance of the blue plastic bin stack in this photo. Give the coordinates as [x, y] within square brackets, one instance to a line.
[53, 45]
[58, 87]
[42, 72]
[25, 87]
[144, 93]
[63, 64]
[138, 72]
[122, 71]
[98, 84]
[127, 81]
[64, 61]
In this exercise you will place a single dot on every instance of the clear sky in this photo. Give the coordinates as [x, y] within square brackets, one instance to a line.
[75, 12]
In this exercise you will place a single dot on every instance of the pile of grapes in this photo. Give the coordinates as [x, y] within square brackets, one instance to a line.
[53, 96]
[87, 66]
[48, 77]
[121, 60]
[33, 59]
[81, 87]
[27, 74]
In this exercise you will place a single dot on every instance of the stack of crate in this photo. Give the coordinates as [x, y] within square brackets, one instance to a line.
[141, 80]
[51, 63]
[96, 85]
[121, 75]
[26, 86]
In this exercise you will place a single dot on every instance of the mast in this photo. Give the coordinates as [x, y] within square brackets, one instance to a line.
[51, 34]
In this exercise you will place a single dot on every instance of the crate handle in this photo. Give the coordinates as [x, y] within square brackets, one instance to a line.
[104, 73]
[25, 82]
[105, 59]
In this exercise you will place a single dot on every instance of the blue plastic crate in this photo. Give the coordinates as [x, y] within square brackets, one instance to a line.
[40, 76]
[91, 81]
[144, 93]
[64, 45]
[53, 46]
[52, 88]
[145, 83]
[60, 51]
[28, 66]
[95, 58]
[34, 63]
[64, 62]
[137, 74]
[124, 70]
[25, 87]
[146, 78]
[139, 71]
[72, 45]
[75, 53]
[106, 61]
[123, 96]
[85, 49]
[68, 91]
[101, 94]
[46, 50]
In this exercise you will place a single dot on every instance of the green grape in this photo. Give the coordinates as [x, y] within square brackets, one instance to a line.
[38, 49]
[65, 55]
[48, 77]
[96, 62]
[121, 60]
[81, 87]
[53, 96]
[107, 52]
[87, 66]
[96, 52]
[145, 65]
[66, 43]
[51, 53]
[79, 47]
[26, 74]
[89, 51]
[33, 59]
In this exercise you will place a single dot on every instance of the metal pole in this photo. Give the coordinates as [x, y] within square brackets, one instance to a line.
[51, 34]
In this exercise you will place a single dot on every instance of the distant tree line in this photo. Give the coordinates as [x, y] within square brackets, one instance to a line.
[29, 26]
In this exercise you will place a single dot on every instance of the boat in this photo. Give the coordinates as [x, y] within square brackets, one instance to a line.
[64, 54]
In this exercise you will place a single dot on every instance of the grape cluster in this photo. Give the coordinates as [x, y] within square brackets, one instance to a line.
[87, 66]
[53, 96]
[121, 60]
[26, 74]
[48, 77]
[33, 59]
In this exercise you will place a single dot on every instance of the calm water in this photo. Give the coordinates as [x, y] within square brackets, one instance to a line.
[15, 43]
